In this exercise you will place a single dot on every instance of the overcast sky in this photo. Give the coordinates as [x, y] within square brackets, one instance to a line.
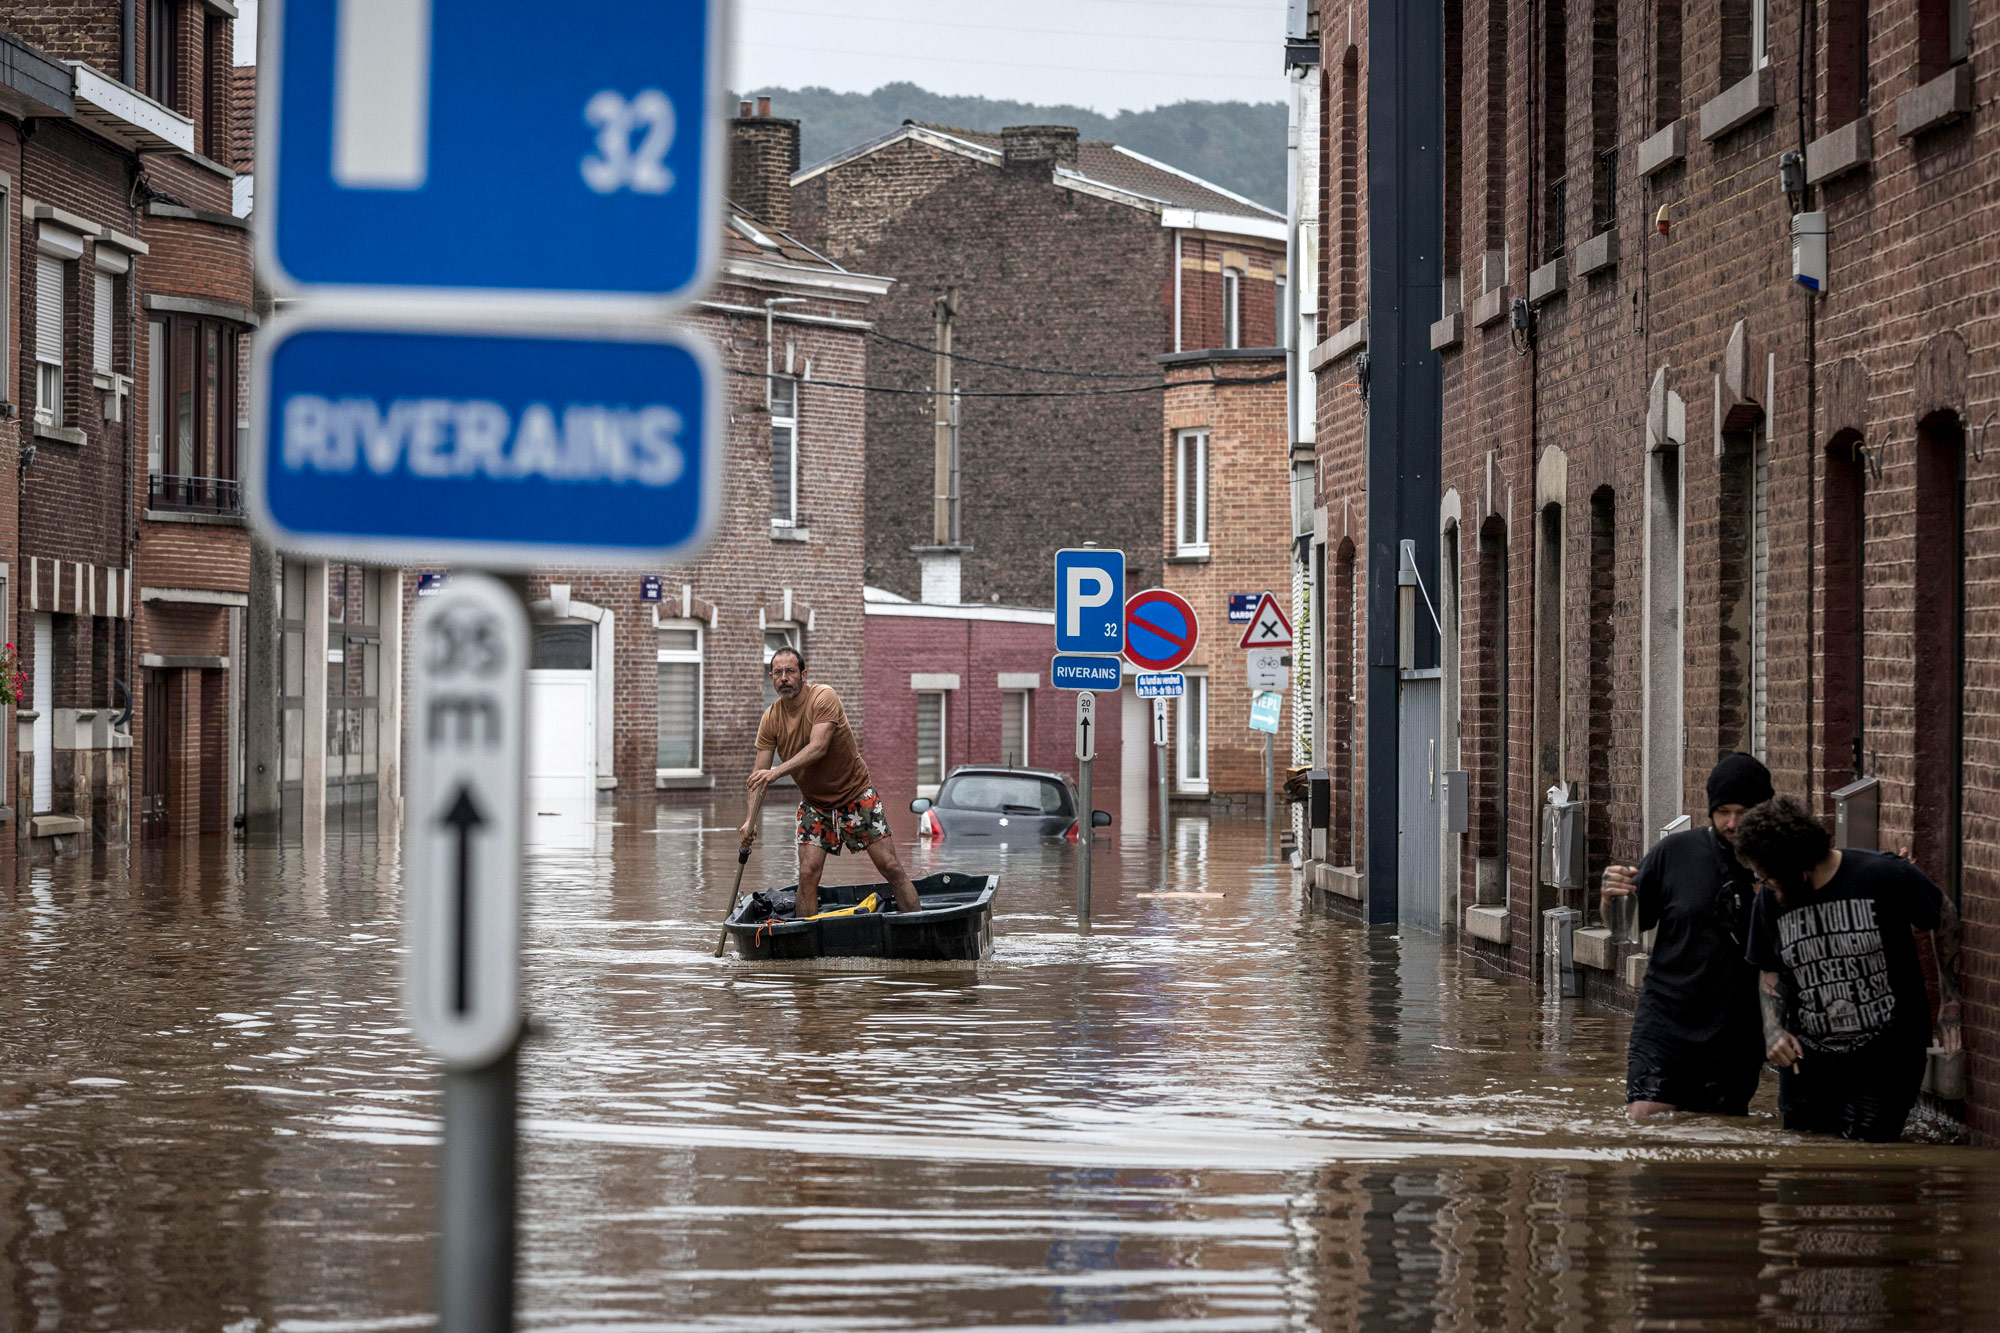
[1108, 55]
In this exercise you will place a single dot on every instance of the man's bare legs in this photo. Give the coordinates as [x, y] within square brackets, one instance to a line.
[812, 865]
[882, 852]
[812, 862]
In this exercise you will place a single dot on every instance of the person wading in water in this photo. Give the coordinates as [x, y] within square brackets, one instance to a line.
[837, 806]
[1697, 1037]
[1847, 1019]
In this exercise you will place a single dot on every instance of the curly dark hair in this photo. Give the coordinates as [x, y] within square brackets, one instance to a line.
[1783, 841]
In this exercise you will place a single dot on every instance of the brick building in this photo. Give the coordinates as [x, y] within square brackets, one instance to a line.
[1082, 261]
[1688, 505]
[1227, 516]
[1365, 449]
[131, 290]
[949, 685]
[633, 696]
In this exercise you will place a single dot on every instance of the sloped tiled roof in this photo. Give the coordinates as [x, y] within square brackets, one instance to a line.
[1108, 163]
[747, 237]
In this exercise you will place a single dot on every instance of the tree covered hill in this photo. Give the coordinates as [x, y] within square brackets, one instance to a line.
[1239, 145]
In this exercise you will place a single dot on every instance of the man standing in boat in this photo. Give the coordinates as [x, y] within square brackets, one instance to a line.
[838, 809]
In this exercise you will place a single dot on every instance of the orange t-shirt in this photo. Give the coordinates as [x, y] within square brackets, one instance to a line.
[837, 777]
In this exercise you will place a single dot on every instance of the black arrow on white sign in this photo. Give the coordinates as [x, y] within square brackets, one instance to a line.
[465, 817]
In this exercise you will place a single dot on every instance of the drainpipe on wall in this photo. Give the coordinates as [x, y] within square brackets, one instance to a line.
[127, 36]
[1177, 289]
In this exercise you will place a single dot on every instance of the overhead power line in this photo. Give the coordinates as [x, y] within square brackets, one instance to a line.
[1009, 365]
[1158, 387]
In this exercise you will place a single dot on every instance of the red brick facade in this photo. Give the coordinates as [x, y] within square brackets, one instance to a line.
[974, 655]
[1238, 404]
[138, 230]
[1694, 495]
[1064, 259]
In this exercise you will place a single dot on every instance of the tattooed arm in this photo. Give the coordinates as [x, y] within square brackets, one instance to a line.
[1944, 941]
[1781, 1048]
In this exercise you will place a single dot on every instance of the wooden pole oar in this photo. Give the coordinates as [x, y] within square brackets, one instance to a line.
[742, 860]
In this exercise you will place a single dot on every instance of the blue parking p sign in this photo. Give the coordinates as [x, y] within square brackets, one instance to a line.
[492, 146]
[1090, 600]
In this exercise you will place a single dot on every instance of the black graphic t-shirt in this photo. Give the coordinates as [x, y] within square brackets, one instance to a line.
[1847, 957]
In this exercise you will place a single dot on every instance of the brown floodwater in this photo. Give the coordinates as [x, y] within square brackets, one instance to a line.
[1200, 1113]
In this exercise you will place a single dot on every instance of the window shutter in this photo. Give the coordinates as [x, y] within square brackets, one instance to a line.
[680, 715]
[100, 332]
[930, 739]
[49, 309]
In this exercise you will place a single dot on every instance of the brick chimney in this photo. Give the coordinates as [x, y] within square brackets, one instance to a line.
[1044, 147]
[763, 154]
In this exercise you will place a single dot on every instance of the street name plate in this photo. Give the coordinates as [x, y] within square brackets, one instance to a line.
[1159, 684]
[426, 443]
[462, 821]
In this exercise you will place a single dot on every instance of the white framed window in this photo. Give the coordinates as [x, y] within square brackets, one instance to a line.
[783, 635]
[784, 453]
[1015, 708]
[680, 686]
[1232, 307]
[1760, 33]
[51, 283]
[1191, 736]
[930, 740]
[1191, 493]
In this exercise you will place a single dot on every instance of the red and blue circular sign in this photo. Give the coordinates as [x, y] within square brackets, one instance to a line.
[1161, 630]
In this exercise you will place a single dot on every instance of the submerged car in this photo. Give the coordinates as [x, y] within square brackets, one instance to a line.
[1004, 804]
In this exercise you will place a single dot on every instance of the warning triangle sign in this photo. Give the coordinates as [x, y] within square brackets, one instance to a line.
[1268, 627]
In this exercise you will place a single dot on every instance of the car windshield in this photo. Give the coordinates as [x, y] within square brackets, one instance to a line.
[1003, 791]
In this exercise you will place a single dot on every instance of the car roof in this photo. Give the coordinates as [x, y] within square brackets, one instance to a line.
[1001, 770]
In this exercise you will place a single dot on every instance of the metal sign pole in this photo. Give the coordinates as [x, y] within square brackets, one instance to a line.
[462, 924]
[1160, 753]
[1086, 750]
[1270, 797]
[476, 1198]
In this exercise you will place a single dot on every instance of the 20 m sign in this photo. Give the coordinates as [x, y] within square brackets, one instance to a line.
[462, 821]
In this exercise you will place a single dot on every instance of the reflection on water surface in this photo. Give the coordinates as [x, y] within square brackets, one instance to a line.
[1199, 1114]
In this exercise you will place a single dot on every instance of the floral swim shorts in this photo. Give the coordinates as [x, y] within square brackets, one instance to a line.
[852, 826]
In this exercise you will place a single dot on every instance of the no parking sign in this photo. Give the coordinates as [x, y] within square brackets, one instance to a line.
[1161, 630]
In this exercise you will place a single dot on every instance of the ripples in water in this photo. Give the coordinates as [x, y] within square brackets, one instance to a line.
[1212, 1114]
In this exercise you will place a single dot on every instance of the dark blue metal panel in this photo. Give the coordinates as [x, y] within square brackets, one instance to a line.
[1405, 244]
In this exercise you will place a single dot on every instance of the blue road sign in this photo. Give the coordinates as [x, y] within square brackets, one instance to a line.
[415, 443]
[1090, 601]
[1083, 673]
[1242, 606]
[1265, 710]
[492, 146]
[1159, 684]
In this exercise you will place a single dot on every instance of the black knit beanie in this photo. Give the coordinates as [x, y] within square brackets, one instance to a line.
[1738, 780]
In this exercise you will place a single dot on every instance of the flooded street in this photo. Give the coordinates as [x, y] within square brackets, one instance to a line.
[1201, 1113]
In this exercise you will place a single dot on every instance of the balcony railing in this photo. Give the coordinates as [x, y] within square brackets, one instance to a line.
[194, 495]
[1555, 221]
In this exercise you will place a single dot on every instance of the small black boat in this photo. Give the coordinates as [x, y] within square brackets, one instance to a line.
[956, 922]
